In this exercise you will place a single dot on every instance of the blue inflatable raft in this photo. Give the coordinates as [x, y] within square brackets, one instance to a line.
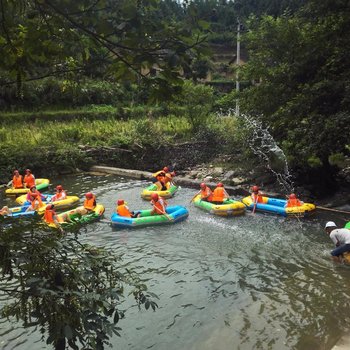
[20, 212]
[277, 206]
[175, 214]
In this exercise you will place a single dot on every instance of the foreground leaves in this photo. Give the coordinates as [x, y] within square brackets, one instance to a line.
[68, 289]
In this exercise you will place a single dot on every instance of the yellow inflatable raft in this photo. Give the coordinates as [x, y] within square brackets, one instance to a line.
[76, 218]
[68, 202]
[147, 192]
[229, 207]
[41, 184]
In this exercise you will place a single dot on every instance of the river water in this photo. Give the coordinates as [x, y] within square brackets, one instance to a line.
[250, 282]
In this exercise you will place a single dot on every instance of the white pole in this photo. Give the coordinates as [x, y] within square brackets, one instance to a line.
[238, 63]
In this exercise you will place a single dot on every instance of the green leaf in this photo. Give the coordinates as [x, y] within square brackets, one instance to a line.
[116, 317]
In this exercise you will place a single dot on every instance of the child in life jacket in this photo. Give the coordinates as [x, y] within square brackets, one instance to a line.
[89, 204]
[59, 195]
[159, 205]
[219, 194]
[29, 179]
[123, 210]
[293, 201]
[17, 180]
[34, 197]
[256, 195]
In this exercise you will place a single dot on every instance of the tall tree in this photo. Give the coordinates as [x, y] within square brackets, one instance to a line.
[47, 37]
[301, 64]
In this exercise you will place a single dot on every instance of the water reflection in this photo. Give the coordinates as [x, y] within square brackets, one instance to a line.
[250, 282]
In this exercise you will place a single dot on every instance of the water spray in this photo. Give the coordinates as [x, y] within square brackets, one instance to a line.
[265, 147]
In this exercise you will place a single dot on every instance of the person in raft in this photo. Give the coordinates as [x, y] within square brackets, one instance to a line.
[59, 195]
[160, 173]
[5, 211]
[293, 201]
[50, 215]
[89, 204]
[341, 239]
[159, 205]
[167, 180]
[17, 180]
[158, 178]
[29, 179]
[34, 197]
[123, 210]
[257, 196]
[219, 194]
[205, 192]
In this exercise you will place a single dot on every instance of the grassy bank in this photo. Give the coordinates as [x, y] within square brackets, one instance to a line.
[52, 146]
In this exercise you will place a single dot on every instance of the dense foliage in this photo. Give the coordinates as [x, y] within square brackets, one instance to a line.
[69, 290]
[303, 73]
[120, 39]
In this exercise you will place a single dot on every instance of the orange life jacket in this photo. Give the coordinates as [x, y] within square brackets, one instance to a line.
[49, 216]
[17, 181]
[29, 180]
[35, 196]
[218, 194]
[207, 194]
[159, 206]
[59, 196]
[90, 204]
[257, 198]
[123, 210]
[294, 202]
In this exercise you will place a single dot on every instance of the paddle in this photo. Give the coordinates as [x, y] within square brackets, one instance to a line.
[255, 203]
[227, 195]
[195, 196]
[167, 216]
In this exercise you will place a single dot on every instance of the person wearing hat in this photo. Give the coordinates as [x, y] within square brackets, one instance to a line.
[257, 196]
[293, 201]
[159, 205]
[35, 198]
[29, 179]
[219, 194]
[59, 195]
[89, 204]
[341, 239]
[123, 210]
[17, 180]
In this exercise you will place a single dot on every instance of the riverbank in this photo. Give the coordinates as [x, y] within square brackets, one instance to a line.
[218, 151]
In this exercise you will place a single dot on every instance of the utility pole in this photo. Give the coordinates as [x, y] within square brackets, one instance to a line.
[238, 63]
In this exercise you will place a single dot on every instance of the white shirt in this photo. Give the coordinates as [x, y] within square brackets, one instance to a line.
[341, 235]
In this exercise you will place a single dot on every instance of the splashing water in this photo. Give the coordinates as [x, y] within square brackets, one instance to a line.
[265, 147]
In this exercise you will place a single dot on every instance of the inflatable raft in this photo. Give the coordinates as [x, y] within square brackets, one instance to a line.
[76, 218]
[277, 206]
[68, 202]
[41, 184]
[229, 207]
[20, 212]
[175, 213]
[146, 193]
